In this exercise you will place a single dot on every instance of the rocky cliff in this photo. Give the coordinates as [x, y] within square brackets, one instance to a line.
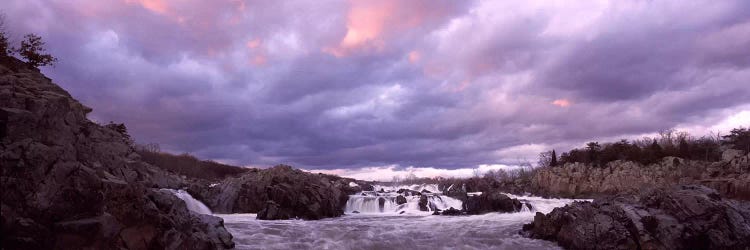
[69, 183]
[280, 192]
[684, 217]
[730, 177]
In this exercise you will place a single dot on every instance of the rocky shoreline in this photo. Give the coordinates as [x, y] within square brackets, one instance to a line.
[683, 217]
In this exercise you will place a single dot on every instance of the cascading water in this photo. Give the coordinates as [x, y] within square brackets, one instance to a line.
[404, 226]
[192, 204]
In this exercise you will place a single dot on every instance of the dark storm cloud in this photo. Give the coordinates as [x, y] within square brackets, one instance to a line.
[348, 84]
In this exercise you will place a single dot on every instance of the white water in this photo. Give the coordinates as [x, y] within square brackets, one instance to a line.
[192, 204]
[414, 229]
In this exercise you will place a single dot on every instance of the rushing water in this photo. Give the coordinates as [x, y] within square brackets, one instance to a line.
[394, 226]
[192, 204]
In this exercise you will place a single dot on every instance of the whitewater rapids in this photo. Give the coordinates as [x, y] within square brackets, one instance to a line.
[371, 228]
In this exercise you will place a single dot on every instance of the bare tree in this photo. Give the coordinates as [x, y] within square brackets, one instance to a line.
[5, 48]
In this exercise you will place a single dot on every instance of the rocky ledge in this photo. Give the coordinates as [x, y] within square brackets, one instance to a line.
[684, 217]
[730, 177]
[69, 183]
[280, 192]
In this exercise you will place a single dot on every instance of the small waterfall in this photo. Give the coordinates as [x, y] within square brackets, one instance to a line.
[192, 204]
[526, 207]
[387, 202]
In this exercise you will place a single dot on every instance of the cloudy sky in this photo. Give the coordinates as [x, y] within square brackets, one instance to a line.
[368, 86]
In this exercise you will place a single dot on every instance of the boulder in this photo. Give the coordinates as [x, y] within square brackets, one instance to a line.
[456, 193]
[493, 201]
[423, 203]
[381, 204]
[685, 217]
[294, 194]
[452, 211]
[400, 200]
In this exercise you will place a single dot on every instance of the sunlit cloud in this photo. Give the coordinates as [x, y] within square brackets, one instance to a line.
[414, 56]
[561, 103]
[253, 44]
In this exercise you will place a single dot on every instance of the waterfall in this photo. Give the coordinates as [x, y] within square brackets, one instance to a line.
[192, 204]
[386, 202]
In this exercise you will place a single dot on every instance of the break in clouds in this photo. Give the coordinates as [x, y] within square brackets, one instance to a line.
[427, 84]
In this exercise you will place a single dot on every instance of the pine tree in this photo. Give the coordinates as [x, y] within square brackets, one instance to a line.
[553, 162]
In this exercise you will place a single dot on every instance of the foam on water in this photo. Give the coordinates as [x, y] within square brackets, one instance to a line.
[373, 228]
[192, 204]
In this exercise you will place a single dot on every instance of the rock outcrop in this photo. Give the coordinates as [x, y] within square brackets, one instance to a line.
[684, 217]
[280, 192]
[70, 183]
[493, 201]
[731, 178]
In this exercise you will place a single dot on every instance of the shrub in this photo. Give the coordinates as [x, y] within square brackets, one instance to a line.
[32, 49]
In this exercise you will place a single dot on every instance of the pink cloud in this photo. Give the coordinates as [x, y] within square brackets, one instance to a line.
[414, 56]
[561, 103]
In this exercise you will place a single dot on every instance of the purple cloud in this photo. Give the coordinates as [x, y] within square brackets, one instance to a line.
[350, 84]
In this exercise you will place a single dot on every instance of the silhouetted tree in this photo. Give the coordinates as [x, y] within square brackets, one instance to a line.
[5, 48]
[738, 138]
[684, 148]
[32, 49]
[553, 161]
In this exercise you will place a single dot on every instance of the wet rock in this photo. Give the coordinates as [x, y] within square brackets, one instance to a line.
[274, 211]
[294, 193]
[425, 191]
[456, 193]
[408, 192]
[452, 211]
[423, 203]
[493, 201]
[355, 212]
[685, 217]
[381, 191]
[381, 204]
[400, 200]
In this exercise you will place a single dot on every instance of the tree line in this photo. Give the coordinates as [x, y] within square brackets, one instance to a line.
[651, 150]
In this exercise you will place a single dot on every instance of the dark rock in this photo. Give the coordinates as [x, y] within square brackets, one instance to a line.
[436, 213]
[408, 192]
[381, 204]
[355, 212]
[452, 211]
[492, 201]
[402, 212]
[456, 193]
[381, 191]
[423, 203]
[273, 211]
[295, 194]
[425, 191]
[686, 217]
[400, 200]
[367, 187]
[70, 183]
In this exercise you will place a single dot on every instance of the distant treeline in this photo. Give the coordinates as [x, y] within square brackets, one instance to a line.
[652, 150]
[186, 164]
